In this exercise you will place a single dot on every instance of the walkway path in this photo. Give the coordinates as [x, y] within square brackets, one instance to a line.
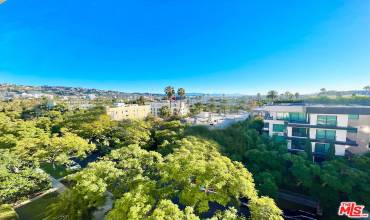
[99, 213]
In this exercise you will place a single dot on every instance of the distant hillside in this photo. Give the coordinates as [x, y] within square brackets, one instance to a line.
[60, 90]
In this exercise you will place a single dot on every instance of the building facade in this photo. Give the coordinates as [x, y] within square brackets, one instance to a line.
[177, 107]
[346, 127]
[123, 112]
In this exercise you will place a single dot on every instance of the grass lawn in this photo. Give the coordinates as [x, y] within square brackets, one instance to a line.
[59, 172]
[35, 210]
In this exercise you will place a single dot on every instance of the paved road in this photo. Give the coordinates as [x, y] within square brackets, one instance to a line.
[296, 198]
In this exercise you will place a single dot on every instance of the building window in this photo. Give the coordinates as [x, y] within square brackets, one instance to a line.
[325, 134]
[353, 117]
[282, 116]
[279, 139]
[330, 120]
[298, 144]
[299, 132]
[297, 117]
[321, 148]
[266, 125]
[278, 128]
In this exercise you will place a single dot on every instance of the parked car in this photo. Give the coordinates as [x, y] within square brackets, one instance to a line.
[73, 166]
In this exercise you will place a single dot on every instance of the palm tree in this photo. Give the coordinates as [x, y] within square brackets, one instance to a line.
[367, 88]
[181, 94]
[272, 94]
[169, 91]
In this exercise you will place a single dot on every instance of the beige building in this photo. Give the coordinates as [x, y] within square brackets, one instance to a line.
[177, 107]
[122, 112]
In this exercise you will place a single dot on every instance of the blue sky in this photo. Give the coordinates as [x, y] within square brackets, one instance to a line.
[204, 46]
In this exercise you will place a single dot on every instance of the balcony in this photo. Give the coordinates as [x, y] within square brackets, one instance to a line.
[348, 142]
[299, 135]
[306, 125]
[295, 150]
[293, 121]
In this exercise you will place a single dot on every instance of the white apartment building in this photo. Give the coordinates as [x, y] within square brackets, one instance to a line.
[177, 107]
[347, 127]
[217, 120]
[123, 111]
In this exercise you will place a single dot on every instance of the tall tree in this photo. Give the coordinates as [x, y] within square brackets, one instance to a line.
[61, 149]
[141, 100]
[296, 95]
[164, 112]
[288, 95]
[206, 181]
[131, 132]
[169, 91]
[272, 94]
[181, 94]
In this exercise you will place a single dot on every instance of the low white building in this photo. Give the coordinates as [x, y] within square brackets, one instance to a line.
[216, 119]
[177, 107]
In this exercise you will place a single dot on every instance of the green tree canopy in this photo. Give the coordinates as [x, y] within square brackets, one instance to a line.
[165, 112]
[18, 178]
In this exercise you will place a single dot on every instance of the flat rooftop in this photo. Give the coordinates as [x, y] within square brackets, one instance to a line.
[319, 109]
